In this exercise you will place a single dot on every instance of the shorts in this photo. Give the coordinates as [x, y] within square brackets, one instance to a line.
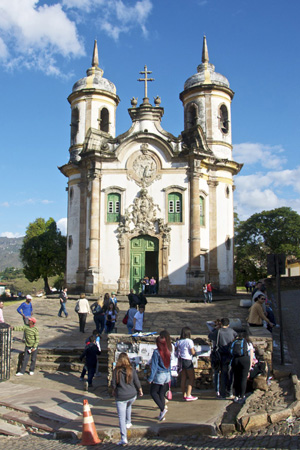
[187, 364]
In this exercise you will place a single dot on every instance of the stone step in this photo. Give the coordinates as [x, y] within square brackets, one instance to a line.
[11, 430]
[68, 358]
[65, 351]
[65, 366]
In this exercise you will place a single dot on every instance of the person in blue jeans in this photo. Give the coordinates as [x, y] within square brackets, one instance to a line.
[90, 354]
[125, 385]
[63, 300]
[160, 375]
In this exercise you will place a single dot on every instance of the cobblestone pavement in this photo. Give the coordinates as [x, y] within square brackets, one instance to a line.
[281, 438]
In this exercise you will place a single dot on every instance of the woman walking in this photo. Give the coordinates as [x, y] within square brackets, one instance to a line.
[83, 309]
[125, 384]
[111, 318]
[99, 315]
[185, 352]
[160, 375]
[242, 353]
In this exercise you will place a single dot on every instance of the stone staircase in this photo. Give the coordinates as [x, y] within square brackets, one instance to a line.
[66, 360]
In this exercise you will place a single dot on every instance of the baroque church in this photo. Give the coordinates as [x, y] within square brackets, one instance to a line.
[145, 202]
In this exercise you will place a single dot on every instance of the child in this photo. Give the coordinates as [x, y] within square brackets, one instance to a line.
[138, 320]
[90, 354]
[111, 318]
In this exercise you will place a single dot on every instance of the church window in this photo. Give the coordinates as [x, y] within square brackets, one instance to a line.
[228, 243]
[74, 125]
[202, 211]
[104, 120]
[113, 207]
[174, 207]
[227, 192]
[224, 122]
[192, 115]
[70, 242]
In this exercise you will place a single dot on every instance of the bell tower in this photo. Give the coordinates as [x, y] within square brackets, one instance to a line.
[207, 102]
[93, 106]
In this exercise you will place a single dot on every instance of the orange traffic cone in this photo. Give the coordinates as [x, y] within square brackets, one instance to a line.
[89, 433]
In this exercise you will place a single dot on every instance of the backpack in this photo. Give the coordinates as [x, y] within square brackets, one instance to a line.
[238, 348]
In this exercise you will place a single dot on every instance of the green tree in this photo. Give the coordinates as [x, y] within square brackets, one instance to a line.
[43, 252]
[275, 231]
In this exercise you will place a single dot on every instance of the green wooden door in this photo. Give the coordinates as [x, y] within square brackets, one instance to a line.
[139, 247]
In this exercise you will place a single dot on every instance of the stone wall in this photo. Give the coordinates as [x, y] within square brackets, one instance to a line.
[203, 373]
[285, 282]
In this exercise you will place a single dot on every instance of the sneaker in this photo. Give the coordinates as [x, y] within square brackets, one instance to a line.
[162, 414]
[230, 397]
[19, 374]
[128, 425]
[123, 442]
[236, 399]
[81, 379]
[218, 395]
[190, 398]
[31, 373]
[86, 386]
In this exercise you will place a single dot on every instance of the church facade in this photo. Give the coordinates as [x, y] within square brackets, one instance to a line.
[147, 203]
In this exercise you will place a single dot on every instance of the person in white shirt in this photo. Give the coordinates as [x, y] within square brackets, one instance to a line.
[185, 351]
[1, 313]
[138, 320]
[83, 309]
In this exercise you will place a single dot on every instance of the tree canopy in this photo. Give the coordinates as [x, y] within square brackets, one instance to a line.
[275, 231]
[43, 252]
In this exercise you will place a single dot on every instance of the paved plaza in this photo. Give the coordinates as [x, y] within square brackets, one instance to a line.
[161, 313]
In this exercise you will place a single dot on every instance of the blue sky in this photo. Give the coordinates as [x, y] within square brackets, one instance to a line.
[45, 46]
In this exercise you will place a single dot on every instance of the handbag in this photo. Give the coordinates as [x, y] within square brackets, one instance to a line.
[215, 355]
[168, 394]
[125, 319]
[77, 307]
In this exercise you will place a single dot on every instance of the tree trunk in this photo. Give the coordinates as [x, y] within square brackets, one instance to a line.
[47, 287]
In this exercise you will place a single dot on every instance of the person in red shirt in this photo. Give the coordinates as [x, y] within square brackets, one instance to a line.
[209, 292]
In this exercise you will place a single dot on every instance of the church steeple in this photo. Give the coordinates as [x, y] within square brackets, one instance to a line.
[95, 60]
[205, 57]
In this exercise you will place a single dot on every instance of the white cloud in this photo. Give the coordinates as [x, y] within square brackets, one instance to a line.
[8, 234]
[62, 224]
[33, 35]
[266, 156]
[46, 202]
[5, 205]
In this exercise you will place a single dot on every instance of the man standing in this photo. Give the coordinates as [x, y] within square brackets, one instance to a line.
[63, 300]
[1, 313]
[225, 339]
[31, 334]
[25, 309]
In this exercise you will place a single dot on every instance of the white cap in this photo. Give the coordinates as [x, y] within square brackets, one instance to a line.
[28, 297]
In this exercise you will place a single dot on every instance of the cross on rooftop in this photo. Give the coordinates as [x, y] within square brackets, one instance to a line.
[146, 79]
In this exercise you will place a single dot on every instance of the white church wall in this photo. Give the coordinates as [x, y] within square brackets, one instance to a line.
[217, 100]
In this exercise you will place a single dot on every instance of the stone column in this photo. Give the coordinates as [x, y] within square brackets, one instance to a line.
[92, 279]
[194, 263]
[213, 272]
[80, 284]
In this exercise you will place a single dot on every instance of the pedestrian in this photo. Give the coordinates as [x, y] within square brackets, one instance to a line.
[111, 318]
[113, 298]
[131, 313]
[143, 300]
[224, 336]
[216, 326]
[63, 300]
[160, 375]
[138, 320]
[209, 292]
[90, 354]
[133, 298]
[125, 385]
[25, 309]
[1, 312]
[242, 357]
[99, 315]
[256, 312]
[184, 349]
[31, 334]
[83, 309]
[152, 283]
[204, 290]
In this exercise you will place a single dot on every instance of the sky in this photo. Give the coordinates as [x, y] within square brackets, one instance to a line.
[46, 46]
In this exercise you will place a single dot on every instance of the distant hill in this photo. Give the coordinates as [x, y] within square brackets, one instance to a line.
[9, 252]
